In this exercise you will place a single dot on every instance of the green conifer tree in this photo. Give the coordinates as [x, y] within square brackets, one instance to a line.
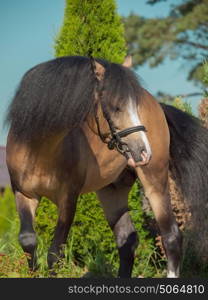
[91, 27]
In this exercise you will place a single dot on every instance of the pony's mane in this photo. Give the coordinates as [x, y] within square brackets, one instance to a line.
[59, 95]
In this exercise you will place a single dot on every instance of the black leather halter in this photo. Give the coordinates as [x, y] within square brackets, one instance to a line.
[116, 136]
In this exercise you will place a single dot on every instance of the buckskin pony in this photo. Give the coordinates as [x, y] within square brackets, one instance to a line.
[79, 125]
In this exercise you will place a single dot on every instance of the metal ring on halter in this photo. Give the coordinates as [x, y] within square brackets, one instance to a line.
[120, 148]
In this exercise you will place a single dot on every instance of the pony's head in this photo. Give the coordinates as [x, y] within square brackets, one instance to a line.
[118, 96]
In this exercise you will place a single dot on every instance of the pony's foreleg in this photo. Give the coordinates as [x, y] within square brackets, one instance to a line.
[66, 211]
[114, 200]
[157, 191]
[26, 208]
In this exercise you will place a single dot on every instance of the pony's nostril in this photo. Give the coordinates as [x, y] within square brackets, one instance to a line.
[139, 154]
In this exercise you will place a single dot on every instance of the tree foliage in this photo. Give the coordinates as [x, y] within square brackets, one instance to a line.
[91, 28]
[205, 78]
[203, 106]
[181, 34]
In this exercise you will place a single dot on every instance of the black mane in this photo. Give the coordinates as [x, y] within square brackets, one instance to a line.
[58, 95]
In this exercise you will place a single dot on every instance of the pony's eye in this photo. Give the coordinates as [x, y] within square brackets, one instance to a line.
[117, 109]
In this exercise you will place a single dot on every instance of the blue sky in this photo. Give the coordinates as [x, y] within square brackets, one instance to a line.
[27, 31]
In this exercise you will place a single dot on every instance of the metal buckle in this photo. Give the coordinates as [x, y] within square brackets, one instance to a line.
[120, 148]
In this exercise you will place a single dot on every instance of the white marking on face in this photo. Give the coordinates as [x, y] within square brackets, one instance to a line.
[136, 121]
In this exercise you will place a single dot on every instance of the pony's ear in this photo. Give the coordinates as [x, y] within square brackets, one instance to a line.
[98, 69]
[127, 61]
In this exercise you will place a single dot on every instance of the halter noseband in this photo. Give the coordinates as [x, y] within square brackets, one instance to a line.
[116, 136]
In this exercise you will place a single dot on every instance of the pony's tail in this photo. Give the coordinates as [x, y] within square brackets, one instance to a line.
[189, 167]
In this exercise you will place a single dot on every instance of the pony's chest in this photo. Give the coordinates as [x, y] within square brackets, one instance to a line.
[103, 169]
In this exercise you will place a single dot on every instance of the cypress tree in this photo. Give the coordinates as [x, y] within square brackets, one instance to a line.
[91, 28]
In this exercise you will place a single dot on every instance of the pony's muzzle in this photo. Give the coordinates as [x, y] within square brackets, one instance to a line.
[137, 158]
